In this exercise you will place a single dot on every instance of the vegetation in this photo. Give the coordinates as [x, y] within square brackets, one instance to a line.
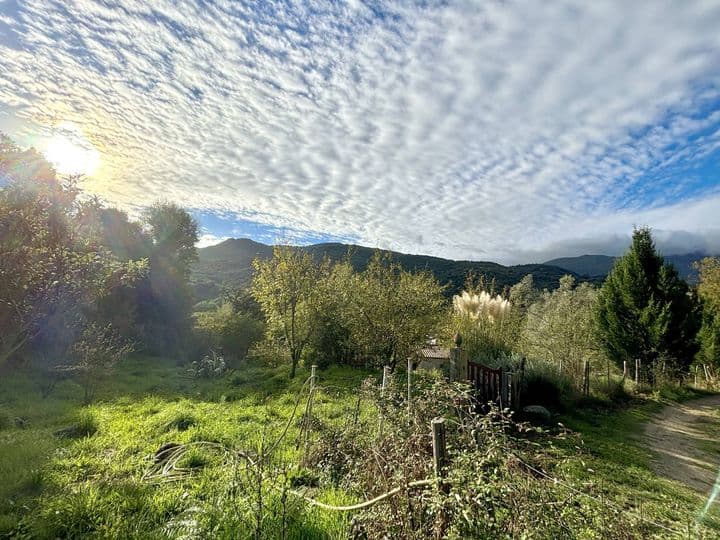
[645, 310]
[709, 292]
[547, 334]
[231, 263]
[381, 314]
[123, 413]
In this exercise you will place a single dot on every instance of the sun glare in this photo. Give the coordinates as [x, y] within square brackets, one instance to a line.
[71, 153]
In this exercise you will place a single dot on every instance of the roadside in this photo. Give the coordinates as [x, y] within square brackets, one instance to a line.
[685, 438]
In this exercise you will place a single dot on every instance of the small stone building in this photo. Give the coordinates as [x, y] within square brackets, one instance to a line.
[433, 357]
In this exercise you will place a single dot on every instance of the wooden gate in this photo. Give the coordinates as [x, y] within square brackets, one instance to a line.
[486, 381]
[493, 385]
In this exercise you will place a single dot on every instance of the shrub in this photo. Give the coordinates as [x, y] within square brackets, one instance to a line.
[211, 366]
[84, 425]
[232, 332]
[544, 384]
[495, 483]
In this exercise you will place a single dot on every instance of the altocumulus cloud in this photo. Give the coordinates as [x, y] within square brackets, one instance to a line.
[464, 129]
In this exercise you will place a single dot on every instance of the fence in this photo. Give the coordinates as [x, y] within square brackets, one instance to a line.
[491, 384]
[494, 384]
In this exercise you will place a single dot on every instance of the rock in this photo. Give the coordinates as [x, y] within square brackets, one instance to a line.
[537, 412]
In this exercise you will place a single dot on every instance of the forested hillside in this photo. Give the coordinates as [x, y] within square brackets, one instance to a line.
[230, 262]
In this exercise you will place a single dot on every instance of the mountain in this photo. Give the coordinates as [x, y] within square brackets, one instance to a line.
[585, 265]
[600, 265]
[230, 262]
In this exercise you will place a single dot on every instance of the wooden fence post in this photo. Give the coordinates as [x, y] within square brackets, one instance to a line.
[440, 460]
[439, 449]
[608, 372]
[308, 417]
[409, 387]
[586, 378]
[386, 376]
[637, 371]
[458, 365]
[505, 378]
[624, 370]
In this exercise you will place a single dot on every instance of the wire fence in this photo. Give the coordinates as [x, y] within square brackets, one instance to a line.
[165, 462]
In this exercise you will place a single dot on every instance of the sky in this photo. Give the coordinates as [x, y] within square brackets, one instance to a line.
[505, 131]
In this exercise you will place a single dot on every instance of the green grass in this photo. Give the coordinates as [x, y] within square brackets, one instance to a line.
[74, 470]
[71, 470]
[616, 460]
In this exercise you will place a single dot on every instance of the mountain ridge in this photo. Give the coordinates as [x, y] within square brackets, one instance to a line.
[597, 266]
[230, 262]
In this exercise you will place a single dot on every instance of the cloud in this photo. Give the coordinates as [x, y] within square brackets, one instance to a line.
[206, 240]
[462, 129]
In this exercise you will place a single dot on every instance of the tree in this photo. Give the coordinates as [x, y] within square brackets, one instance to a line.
[47, 272]
[95, 354]
[645, 310]
[560, 327]
[332, 342]
[174, 233]
[709, 292]
[287, 289]
[229, 331]
[164, 299]
[392, 311]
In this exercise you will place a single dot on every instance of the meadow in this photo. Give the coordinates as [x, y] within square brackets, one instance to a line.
[72, 470]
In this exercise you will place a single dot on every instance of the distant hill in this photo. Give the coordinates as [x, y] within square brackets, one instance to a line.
[600, 265]
[230, 262]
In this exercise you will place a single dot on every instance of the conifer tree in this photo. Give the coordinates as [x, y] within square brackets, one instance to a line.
[645, 310]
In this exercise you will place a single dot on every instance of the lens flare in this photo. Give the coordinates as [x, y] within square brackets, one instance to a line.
[70, 152]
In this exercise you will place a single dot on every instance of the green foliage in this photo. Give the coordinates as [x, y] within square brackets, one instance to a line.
[336, 314]
[67, 261]
[644, 309]
[287, 289]
[709, 292]
[228, 330]
[390, 312]
[560, 328]
[230, 262]
[492, 489]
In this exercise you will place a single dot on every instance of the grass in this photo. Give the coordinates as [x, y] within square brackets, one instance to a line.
[71, 470]
[74, 470]
[618, 461]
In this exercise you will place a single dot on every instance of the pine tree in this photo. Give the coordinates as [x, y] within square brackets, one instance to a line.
[645, 310]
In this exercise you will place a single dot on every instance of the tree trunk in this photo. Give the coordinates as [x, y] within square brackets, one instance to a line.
[295, 357]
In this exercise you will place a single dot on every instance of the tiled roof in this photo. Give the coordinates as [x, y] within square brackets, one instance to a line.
[433, 352]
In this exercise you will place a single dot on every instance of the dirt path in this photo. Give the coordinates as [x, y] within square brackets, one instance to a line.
[686, 440]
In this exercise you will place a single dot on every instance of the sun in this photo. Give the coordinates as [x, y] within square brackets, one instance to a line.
[71, 153]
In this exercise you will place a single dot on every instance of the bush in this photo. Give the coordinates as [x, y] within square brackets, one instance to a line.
[211, 366]
[84, 425]
[492, 490]
[224, 329]
[544, 384]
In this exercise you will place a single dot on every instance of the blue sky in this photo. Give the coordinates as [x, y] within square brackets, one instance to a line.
[501, 131]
